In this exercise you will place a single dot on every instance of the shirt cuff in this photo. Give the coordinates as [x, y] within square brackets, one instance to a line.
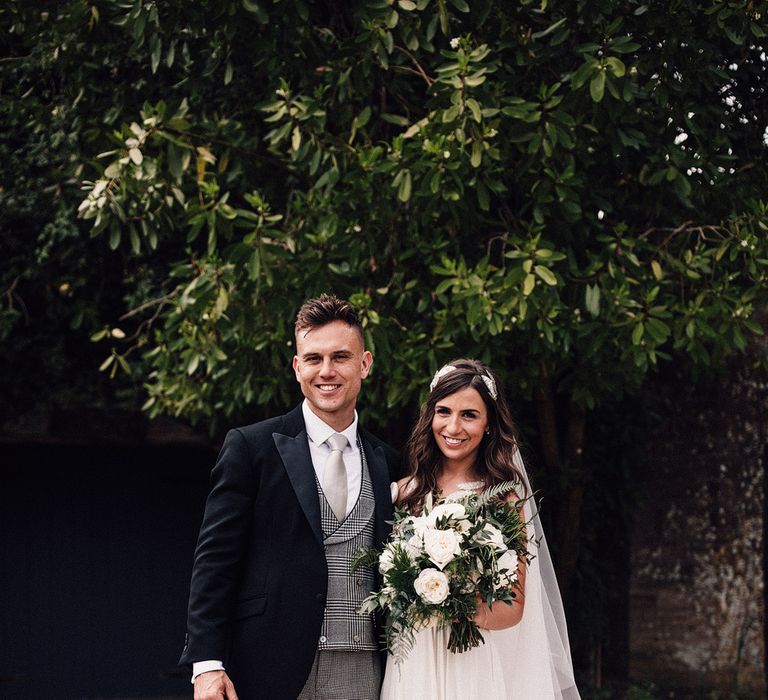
[204, 666]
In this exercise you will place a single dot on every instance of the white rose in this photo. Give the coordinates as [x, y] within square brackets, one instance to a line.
[414, 546]
[507, 561]
[452, 510]
[432, 586]
[463, 526]
[491, 535]
[419, 525]
[386, 560]
[441, 546]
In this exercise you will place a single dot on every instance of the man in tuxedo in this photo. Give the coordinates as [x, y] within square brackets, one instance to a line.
[273, 602]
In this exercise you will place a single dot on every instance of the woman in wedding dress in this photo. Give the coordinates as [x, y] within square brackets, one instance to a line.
[463, 442]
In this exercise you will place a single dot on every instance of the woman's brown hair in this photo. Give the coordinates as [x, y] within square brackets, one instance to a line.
[495, 457]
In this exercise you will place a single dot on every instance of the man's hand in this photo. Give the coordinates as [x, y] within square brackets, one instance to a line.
[214, 685]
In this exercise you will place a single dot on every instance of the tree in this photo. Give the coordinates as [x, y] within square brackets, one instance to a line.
[571, 191]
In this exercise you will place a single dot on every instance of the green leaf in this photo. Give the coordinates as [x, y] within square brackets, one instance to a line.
[616, 66]
[404, 190]
[545, 274]
[395, 119]
[551, 28]
[460, 5]
[155, 48]
[477, 154]
[474, 107]
[637, 334]
[592, 300]
[597, 86]
[193, 364]
[528, 284]
[584, 72]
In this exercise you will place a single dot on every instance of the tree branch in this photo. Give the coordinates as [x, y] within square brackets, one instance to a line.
[419, 69]
[159, 302]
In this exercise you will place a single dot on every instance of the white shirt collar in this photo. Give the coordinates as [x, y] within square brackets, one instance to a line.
[319, 431]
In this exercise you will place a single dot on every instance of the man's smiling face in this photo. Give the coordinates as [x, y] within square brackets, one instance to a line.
[330, 365]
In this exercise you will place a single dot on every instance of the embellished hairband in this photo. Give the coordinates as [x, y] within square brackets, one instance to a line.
[490, 384]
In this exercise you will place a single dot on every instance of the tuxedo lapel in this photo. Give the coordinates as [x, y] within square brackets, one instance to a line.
[294, 451]
[377, 467]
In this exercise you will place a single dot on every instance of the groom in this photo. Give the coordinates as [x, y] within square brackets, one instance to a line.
[273, 603]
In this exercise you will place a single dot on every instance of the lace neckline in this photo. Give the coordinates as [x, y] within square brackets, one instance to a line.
[462, 490]
[469, 485]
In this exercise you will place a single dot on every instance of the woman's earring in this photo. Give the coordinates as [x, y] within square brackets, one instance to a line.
[487, 431]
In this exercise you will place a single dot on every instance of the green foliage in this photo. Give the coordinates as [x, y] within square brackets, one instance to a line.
[570, 191]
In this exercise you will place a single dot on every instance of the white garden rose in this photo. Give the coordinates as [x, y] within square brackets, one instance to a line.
[491, 535]
[452, 510]
[507, 561]
[420, 525]
[386, 560]
[414, 547]
[463, 526]
[431, 586]
[441, 546]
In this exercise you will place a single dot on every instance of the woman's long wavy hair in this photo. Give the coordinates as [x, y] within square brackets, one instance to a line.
[495, 456]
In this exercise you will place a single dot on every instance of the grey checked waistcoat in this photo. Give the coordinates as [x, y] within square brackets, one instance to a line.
[343, 627]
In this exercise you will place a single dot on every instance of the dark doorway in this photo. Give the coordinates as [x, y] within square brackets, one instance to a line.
[96, 546]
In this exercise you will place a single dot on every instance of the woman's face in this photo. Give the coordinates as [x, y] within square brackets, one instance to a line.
[458, 426]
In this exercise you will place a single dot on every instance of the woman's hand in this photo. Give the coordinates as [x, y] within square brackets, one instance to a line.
[502, 615]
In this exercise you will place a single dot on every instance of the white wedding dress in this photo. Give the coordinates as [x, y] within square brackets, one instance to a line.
[432, 672]
[530, 661]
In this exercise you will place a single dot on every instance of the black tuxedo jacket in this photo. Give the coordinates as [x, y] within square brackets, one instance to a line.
[260, 579]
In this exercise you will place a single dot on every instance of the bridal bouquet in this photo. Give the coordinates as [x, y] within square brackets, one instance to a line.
[437, 568]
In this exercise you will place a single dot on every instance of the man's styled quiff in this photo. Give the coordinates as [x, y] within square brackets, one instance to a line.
[323, 310]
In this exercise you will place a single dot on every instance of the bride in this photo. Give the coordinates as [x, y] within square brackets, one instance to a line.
[465, 441]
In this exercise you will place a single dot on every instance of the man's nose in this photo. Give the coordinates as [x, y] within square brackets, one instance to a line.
[327, 367]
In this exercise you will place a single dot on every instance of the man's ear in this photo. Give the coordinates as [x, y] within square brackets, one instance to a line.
[295, 365]
[366, 364]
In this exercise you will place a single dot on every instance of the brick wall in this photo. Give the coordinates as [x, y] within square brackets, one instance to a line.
[697, 605]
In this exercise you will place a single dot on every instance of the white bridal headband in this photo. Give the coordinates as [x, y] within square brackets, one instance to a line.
[447, 369]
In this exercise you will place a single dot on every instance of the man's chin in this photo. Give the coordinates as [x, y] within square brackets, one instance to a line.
[328, 404]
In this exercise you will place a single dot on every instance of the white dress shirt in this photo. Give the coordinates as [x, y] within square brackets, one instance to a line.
[318, 431]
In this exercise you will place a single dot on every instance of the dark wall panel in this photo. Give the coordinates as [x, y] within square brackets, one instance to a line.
[96, 546]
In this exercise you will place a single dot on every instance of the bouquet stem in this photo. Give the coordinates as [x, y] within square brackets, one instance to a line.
[465, 635]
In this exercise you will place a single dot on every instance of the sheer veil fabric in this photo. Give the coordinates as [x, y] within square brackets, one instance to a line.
[530, 661]
[536, 653]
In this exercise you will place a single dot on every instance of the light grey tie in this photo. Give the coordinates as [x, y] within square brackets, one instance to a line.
[335, 476]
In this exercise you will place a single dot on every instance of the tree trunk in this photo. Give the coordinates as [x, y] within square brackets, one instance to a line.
[562, 444]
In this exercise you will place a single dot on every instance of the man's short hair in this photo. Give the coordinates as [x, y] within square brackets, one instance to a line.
[325, 309]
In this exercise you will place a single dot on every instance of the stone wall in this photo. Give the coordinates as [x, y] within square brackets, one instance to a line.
[697, 603]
